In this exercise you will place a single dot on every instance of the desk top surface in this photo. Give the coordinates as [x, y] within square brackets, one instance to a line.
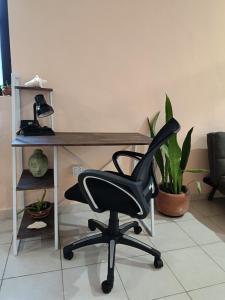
[82, 139]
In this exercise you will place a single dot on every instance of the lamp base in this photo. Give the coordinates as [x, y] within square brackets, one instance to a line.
[39, 131]
[32, 128]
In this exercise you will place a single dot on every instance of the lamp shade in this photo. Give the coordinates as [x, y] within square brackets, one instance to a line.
[43, 109]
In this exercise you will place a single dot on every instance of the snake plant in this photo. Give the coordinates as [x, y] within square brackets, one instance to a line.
[171, 158]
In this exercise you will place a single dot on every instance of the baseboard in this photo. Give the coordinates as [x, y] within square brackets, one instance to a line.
[5, 214]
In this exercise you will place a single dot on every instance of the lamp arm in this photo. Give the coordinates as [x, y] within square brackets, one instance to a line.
[35, 115]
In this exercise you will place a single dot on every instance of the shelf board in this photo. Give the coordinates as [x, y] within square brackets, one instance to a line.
[46, 232]
[21, 87]
[29, 182]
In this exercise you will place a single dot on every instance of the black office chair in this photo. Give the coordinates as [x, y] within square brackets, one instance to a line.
[119, 193]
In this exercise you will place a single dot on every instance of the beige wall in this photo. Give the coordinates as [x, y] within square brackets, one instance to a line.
[111, 62]
[5, 152]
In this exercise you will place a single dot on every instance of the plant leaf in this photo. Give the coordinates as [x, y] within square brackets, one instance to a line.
[152, 124]
[166, 175]
[196, 170]
[168, 109]
[43, 196]
[186, 148]
[164, 150]
[174, 153]
[198, 186]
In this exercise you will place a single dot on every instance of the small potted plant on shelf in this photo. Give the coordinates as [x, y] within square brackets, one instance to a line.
[6, 89]
[173, 197]
[39, 209]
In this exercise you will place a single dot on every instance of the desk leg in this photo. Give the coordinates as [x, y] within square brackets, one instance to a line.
[56, 229]
[14, 171]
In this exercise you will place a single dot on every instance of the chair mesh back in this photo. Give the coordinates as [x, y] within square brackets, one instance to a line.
[143, 170]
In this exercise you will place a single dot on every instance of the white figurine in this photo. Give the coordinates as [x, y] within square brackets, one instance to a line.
[36, 82]
[37, 225]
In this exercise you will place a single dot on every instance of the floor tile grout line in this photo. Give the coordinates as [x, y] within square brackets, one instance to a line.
[223, 269]
[189, 236]
[122, 282]
[164, 297]
[174, 275]
[189, 247]
[187, 291]
[199, 246]
[205, 287]
[3, 273]
[202, 244]
[176, 248]
[32, 274]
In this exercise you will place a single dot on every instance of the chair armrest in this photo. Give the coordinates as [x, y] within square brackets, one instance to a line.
[132, 154]
[130, 187]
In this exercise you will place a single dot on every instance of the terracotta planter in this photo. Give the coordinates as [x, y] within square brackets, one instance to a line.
[172, 205]
[39, 214]
[6, 91]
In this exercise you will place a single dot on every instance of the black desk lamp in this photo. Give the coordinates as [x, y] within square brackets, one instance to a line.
[32, 127]
[43, 109]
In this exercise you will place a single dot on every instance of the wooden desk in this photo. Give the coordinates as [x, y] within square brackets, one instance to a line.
[28, 182]
[82, 139]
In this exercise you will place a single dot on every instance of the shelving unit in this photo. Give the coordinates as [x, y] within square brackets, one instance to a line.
[26, 181]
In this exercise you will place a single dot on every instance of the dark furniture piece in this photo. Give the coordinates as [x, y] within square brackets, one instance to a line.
[216, 156]
[117, 192]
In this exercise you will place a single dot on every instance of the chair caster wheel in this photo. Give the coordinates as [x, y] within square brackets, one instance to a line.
[158, 263]
[68, 255]
[107, 286]
[137, 230]
[91, 226]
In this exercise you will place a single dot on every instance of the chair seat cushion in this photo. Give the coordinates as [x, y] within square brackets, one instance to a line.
[74, 193]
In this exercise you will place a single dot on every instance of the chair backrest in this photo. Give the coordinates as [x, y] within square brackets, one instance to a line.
[143, 170]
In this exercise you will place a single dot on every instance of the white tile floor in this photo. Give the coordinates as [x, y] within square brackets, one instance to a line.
[193, 250]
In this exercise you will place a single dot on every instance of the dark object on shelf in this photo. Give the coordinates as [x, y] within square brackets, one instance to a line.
[117, 192]
[31, 209]
[216, 157]
[38, 163]
[32, 127]
[45, 232]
